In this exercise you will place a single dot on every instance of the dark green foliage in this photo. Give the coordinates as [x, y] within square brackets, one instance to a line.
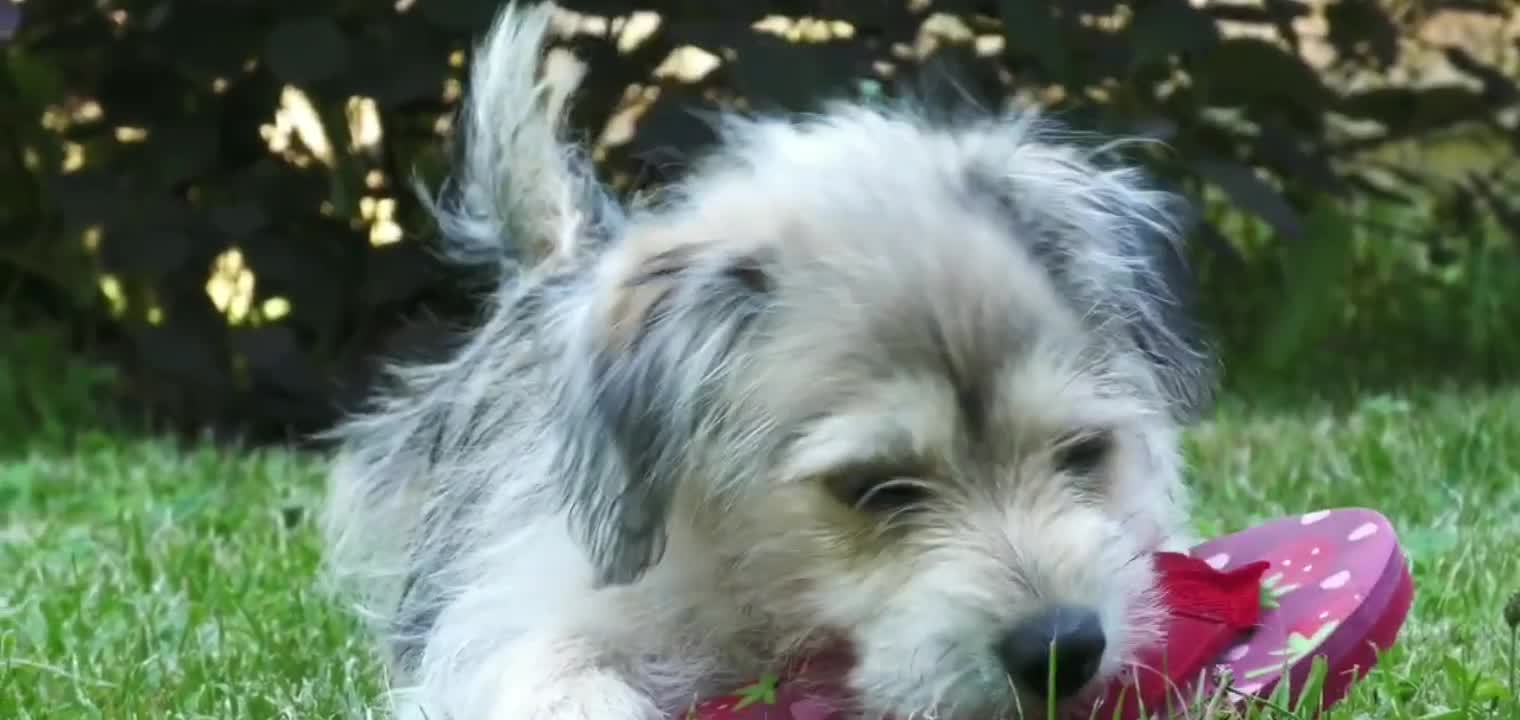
[153, 163]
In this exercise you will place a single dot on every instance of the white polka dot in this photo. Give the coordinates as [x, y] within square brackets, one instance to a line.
[1287, 562]
[1357, 597]
[1324, 615]
[1238, 652]
[1314, 517]
[1366, 530]
[1315, 551]
[1307, 568]
[1336, 581]
[1218, 561]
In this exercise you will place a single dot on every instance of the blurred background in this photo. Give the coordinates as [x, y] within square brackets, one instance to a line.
[213, 198]
[209, 239]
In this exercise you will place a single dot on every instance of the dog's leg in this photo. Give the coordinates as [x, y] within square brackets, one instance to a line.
[560, 677]
[547, 675]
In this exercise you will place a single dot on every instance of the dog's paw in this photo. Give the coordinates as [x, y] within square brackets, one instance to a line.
[583, 696]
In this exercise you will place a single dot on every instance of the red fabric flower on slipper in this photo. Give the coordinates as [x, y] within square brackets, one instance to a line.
[1207, 610]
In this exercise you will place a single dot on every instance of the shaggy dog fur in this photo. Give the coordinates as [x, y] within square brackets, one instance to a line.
[865, 376]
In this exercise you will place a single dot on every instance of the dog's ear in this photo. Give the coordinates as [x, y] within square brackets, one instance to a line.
[1157, 309]
[664, 344]
[1112, 244]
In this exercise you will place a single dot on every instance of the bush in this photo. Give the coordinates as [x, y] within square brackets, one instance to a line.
[216, 192]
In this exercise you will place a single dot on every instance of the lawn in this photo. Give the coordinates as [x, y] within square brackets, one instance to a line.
[149, 580]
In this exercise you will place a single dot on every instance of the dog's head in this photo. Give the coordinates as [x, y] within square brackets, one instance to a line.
[917, 383]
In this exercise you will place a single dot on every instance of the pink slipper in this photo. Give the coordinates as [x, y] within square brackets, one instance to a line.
[1245, 611]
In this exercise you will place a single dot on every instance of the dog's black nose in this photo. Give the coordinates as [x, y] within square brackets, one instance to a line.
[1070, 637]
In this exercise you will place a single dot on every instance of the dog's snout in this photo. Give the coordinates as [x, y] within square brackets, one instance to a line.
[1069, 637]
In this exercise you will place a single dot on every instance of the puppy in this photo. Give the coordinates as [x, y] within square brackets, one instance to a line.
[866, 377]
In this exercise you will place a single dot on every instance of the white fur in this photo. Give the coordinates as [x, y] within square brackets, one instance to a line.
[621, 493]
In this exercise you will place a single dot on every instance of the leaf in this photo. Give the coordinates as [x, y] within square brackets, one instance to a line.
[1166, 27]
[463, 15]
[1407, 110]
[209, 39]
[1092, 7]
[140, 91]
[67, 32]
[1291, 156]
[183, 353]
[1253, 72]
[1391, 186]
[37, 80]
[1243, 13]
[1252, 193]
[283, 191]
[86, 197]
[1456, 673]
[1101, 54]
[1489, 690]
[1362, 29]
[304, 264]
[306, 51]
[238, 220]
[1384, 104]
[276, 361]
[152, 237]
[183, 152]
[772, 72]
[1031, 27]
[397, 62]
[1498, 88]
[395, 274]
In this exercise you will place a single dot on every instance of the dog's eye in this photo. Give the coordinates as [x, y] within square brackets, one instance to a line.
[1085, 454]
[879, 494]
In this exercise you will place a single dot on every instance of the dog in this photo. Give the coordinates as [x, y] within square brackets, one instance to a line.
[868, 377]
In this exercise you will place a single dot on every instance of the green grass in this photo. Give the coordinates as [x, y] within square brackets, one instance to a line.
[143, 579]
[148, 581]
[1445, 469]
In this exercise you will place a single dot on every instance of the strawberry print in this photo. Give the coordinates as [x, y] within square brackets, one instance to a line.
[1269, 596]
[763, 691]
[1309, 632]
[1305, 554]
[1298, 647]
[1332, 606]
[1273, 588]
